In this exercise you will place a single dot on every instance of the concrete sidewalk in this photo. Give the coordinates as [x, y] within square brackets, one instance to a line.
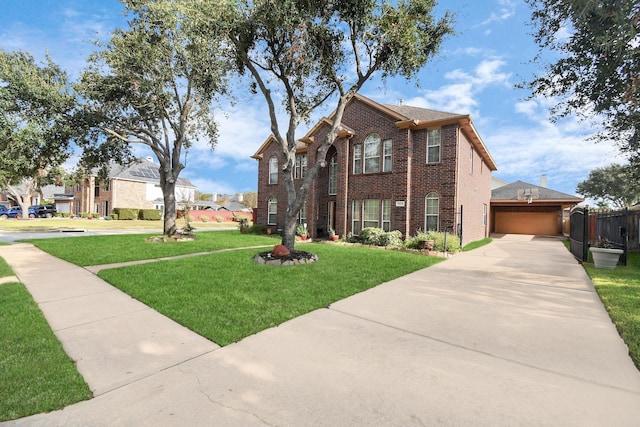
[114, 339]
[510, 334]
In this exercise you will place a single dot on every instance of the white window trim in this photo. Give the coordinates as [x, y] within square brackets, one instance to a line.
[272, 202]
[370, 140]
[430, 145]
[273, 161]
[432, 196]
[387, 152]
[333, 175]
[357, 158]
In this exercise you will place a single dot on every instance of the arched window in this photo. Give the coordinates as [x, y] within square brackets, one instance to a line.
[273, 170]
[432, 212]
[272, 211]
[372, 154]
[333, 175]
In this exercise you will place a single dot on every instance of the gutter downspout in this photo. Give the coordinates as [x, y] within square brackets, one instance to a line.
[407, 207]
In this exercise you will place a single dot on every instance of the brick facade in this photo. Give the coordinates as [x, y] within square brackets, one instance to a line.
[461, 179]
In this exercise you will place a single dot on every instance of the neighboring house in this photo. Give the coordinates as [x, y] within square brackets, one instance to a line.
[133, 186]
[522, 208]
[393, 167]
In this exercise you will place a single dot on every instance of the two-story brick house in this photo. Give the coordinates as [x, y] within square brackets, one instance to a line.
[394, 167]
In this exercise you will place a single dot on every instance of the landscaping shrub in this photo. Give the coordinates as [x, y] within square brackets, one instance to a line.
[453, 241]
[204, 218]
[114, 216]
[219, 218]
[149, 214]
[256, 229]
[87, 215]
[126, 213]
[379, 237]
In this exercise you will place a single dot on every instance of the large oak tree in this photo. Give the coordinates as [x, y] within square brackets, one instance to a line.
[613, 184]
[302, 55]
[37, 104]
[153, 84]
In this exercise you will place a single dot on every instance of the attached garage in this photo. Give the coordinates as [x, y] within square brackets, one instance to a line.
[522, 208]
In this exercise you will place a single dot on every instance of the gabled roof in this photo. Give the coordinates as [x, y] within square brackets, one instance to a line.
[404, 117]
[301, 145]
[521, 191]
[422, 114]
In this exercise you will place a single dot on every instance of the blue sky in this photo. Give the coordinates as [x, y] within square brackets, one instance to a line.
[475, 73]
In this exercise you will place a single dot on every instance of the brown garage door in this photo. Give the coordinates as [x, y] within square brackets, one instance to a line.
[545, 223]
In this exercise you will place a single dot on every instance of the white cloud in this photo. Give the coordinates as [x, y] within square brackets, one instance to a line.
[462, 95]
[505, 11]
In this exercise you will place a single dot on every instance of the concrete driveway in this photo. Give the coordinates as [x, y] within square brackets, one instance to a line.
[510, 334]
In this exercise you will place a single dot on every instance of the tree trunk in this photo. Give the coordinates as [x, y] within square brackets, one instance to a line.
[289, 231]
[169, 195]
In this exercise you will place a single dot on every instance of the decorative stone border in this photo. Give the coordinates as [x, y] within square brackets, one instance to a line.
[296, 258]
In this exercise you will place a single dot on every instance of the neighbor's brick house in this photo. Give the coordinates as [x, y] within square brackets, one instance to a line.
[132, 186]
[394, 167]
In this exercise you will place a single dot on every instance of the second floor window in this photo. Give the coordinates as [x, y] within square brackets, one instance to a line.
[372, 154]
[300, 170]
[273, 170]
[377, 155]
[333, 175]
[357, 158]
[386, 155]
[433, 146]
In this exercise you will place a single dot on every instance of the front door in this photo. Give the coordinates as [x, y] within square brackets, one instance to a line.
[331, 217]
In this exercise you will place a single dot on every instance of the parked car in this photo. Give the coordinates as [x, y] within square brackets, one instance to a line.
[3, 212]
[44, 211]
[16, 212]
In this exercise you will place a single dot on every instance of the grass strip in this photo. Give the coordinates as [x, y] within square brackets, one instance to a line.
[97, 250]
[477, 244]
[5, 270]
[37, 375]
[619, 291]
[226, 296]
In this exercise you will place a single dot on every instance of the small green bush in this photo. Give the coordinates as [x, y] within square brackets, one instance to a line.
[87, 215]
[114, 216]
[149, 214]
[126, 213]
[379, 237]
[191, 217]
[453, 241]
[256, 229]
[219, 218]
[204, 218]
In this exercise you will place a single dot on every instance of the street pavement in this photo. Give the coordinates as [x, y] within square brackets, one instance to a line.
[510, 334]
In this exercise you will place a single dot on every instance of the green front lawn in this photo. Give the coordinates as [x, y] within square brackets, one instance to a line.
[227, 296]
[619, 291]
[35, 373]
[97, 250]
